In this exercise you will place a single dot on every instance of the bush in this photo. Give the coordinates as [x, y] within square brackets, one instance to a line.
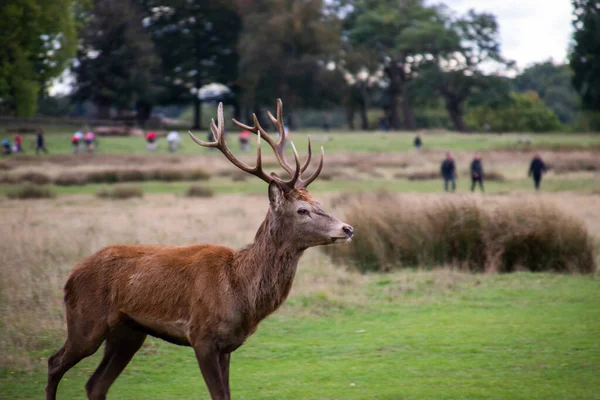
[35, 177]
[103, 176]
[131, 175]
[420, 175]
[199, 191]
[30, 191]
[120, 192]
[494, 176]
[5, 166]
[394, 232]
[70, 179]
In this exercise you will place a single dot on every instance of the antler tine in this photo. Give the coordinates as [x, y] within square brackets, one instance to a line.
[305, 183]
[221, 144]
[307, 162]
[296, 176]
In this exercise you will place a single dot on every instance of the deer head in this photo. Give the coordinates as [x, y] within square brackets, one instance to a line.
[293, 213]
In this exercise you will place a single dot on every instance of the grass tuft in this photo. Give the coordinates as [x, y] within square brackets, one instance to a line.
[30, 191]
[120, 192]
[393, 232]
[199, 191]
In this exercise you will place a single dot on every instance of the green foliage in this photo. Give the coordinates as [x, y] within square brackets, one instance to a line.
[37, 38]
[526, 113]
[585, 57]
[284, 49]
[119, 66]
[553, 84]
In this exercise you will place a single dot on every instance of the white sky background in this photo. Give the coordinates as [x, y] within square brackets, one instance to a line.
[530, 30]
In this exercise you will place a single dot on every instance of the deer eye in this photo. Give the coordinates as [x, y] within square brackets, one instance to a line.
[302, 211]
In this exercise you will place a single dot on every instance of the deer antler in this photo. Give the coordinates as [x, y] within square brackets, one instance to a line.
[279, 146]
[218, 132]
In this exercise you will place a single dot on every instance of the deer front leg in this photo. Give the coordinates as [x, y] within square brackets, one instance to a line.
[209, 361]
[224, 359]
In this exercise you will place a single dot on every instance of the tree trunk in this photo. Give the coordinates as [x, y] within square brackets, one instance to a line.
[350, 117]
[455, 110]
[364, 119]
[197, 112]
[103, 110]
[407, 111]
[395, 83]
[143, 112]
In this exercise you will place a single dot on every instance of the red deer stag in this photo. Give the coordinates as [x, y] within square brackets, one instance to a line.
[209, 297]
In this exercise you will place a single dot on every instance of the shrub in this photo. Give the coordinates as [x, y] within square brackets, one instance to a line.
[199, 191]
[7, 178]
[35, 177]
[577, 165]
[131, 175]
[30, 191]
[5, 166]
[494, 176]
[70, 179]
[198, 174]
[421, 175]
[120, 192]
[394, 232]
[103, 176]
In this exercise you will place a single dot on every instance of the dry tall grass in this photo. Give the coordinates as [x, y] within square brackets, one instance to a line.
[398, 231]
[42, 240]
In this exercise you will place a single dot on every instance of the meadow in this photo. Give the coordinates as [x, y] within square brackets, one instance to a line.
[427, 332]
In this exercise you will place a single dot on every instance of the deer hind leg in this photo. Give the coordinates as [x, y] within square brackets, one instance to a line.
[121, 345]
[83, 339]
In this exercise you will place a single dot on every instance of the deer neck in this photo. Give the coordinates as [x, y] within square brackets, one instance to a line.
[264, 270]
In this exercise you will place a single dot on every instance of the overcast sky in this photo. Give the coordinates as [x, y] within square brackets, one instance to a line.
[530, 30]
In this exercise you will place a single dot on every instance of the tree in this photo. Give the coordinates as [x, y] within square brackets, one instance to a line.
[196, 41]
[525, 113]
[403, 32]
[37, 38]
[116, 64]
[456, 69]
[552, 82]
[585, 56]
[287, 49]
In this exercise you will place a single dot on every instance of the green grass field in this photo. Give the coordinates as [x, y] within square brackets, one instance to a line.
[59, 142]
[519, 336]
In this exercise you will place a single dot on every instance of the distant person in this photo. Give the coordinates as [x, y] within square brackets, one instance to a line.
[6, 150]
[383, 123]
[326, 122]
[151, 139]
[244, 140]
[418, 142]
[77, 141]
[476, 172]
[40, 142]
[18, 143]
[90, 141]
[448, 171]
[173, 141]
[537, 169]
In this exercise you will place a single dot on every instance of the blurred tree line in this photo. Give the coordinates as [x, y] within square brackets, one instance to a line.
[421, 65]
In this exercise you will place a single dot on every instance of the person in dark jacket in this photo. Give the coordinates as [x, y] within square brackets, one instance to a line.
[40, 142]
[476, 172]
[418, 142]
[448, 171]
[537, 169]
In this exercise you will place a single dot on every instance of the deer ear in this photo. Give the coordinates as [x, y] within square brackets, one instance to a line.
[275, 195]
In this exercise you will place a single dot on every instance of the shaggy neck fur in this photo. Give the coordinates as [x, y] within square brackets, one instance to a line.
[266, 269]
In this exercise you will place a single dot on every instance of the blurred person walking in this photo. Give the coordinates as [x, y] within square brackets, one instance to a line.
[90, 141]
[6, 150]
[244, 138]
[151, 139]
[40, 142]
[448, 171]
[537, 169]
[18, 143]
[173, 141]
[476, 172]
[418, 142]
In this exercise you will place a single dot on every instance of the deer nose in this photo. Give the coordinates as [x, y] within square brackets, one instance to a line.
[348, 230]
